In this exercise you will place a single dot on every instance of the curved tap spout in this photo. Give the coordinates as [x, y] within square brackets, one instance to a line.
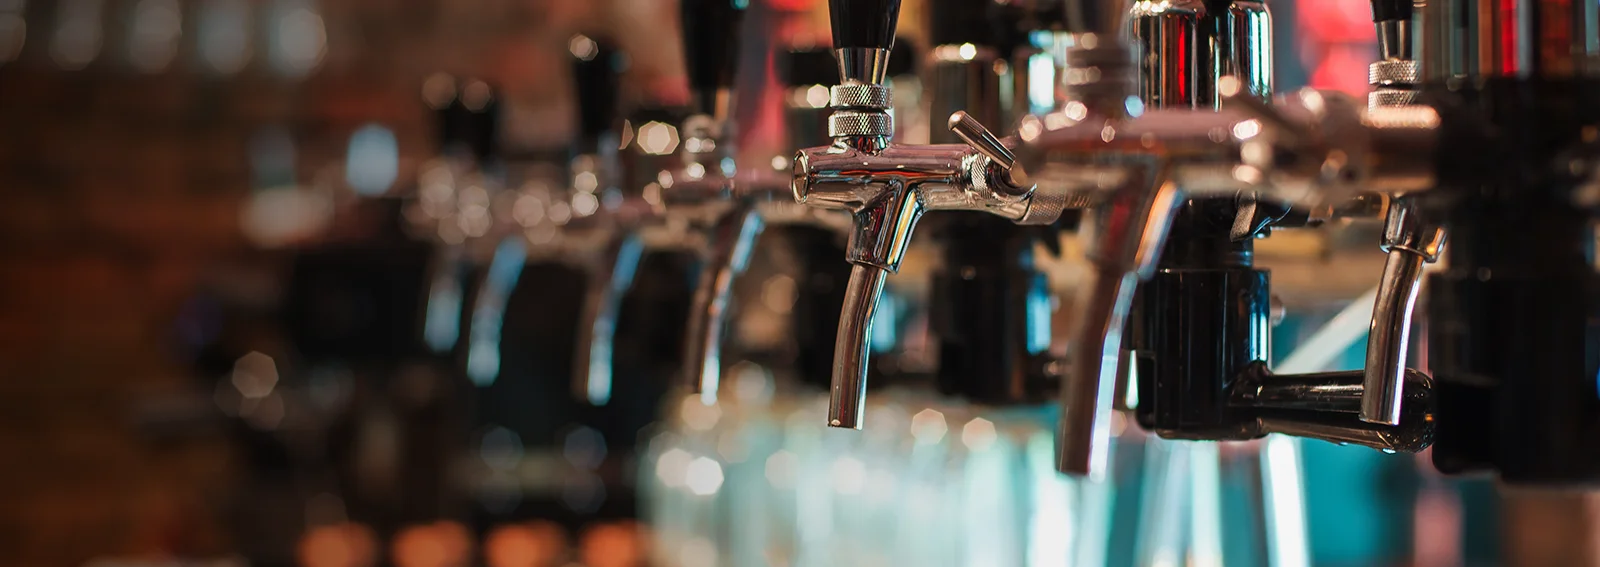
[853, 345]
[731, 241]
[1125, 236]
[1411, 242]
[612, 277]
[489, 308]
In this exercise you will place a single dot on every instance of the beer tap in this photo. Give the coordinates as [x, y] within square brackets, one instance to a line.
[1139, 145]
[887, 187]
[703, 187]
[1202, 359]
[1410, 238]
[761, 196]
[600, 242]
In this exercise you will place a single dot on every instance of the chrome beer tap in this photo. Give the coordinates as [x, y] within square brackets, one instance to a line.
[683, 206]
[759, 196]
[703, 188]
[1142, 170]
[1410, 238]
[600, 242]
[887, 187]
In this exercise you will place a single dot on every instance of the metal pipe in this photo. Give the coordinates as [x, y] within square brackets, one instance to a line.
[1323, 406]
[1488, 39]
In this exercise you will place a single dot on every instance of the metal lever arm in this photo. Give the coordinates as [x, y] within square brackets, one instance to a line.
[981, 139]
[985, 142]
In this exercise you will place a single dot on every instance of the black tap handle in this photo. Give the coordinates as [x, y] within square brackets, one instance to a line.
[1387, 10]
[450, 120]
[483, 115]
[468, 125]
[596, 72]
[1080, 16]
[710, 47]
[864, 23]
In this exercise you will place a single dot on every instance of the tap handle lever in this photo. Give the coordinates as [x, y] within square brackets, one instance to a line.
[710, 48]
[981, 139]
[1015, 182]
[595, 71]
[863, 35]
[866, 24]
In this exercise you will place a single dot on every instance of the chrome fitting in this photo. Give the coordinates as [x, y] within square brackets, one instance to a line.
[859, 95]
[852, 124]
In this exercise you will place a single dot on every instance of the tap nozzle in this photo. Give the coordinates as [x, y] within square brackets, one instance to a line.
[1411, 241]
[1125, 236]
[853, 345]
[732, 240]
[598, 329]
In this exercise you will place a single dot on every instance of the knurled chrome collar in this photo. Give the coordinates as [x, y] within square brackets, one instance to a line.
[1391, 97]
[860, 95]
[1393, 73]
[851, 123]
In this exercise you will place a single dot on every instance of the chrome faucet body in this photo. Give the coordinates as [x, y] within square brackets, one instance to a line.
[886, 187]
